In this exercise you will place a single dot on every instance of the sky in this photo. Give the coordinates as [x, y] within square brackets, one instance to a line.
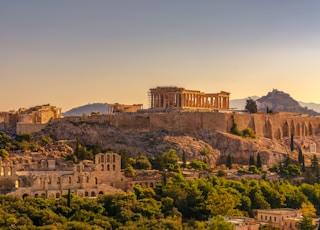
[75, 52]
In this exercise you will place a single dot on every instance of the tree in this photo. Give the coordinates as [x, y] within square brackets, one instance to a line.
[184, 160]
[129, 171]
[251, 160]
[306, 224]
[291, 143]
[229, 162]
[199, 165]
[259, 163]
[307, 209]
[4, 153]
[219, 222]
[251, 106]
[235, 130]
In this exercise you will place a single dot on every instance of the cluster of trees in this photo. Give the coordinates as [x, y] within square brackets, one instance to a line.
[247, 132]
[23, 142]
[171, 205]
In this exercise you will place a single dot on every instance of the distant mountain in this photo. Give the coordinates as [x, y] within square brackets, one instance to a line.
[311, 105]
[279, 101]
[240, 104]
[101, 108]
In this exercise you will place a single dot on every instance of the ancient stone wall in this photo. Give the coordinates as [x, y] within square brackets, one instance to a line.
[273, 126]
[29, 128]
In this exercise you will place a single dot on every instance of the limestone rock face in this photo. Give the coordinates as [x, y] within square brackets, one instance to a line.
[212, 146]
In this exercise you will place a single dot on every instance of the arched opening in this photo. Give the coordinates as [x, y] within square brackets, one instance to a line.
[86, 194]
[113, 167]
[24, 196]
[57, 195]
[96, 180]
[151, 185]
[298, 132]
[310, 129]
[286, 130]
[9, 171]
[93, 194]
[100, 193]
[17, 184]
[293, 129]
[43, 195]
[36, 195]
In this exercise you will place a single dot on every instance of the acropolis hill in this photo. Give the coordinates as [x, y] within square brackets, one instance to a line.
[193, 122]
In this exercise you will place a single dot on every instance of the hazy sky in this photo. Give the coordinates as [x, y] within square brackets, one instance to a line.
[71, 53]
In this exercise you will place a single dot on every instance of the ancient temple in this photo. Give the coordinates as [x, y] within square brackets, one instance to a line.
[175, 97]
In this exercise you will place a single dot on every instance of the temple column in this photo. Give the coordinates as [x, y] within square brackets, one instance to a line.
[152, 96]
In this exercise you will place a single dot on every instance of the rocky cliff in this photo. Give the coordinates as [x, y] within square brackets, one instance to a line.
[211, 146]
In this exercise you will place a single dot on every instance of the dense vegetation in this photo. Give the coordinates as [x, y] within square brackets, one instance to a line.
[176, 203]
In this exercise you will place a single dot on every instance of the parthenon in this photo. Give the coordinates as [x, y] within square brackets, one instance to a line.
[175, 97]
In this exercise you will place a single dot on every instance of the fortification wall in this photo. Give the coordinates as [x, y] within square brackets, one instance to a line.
[274, 126]
[29, 128]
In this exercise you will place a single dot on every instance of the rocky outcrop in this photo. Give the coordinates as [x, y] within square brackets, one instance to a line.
[211, 146]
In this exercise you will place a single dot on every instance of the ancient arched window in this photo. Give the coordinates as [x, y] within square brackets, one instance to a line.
[58, 180]
[2, 171]
[113, 158]
[96, 180]
[102, 159]
[93, 194]
[108, 158]
[9, 171]
[86, 194]
[108, 167]
[87, 179]
[17, 184]
[113, 167]
[102, 167]
[78, 180]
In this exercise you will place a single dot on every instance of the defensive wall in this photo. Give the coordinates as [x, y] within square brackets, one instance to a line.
[274, 126]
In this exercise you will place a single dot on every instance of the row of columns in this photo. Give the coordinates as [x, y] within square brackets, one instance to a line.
[165, 100]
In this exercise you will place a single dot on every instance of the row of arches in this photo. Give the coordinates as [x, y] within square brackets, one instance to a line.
[288, 128]
[58, 194]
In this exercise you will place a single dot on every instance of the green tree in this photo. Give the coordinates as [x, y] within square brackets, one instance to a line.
[229, 162]
[235, 130]
[184, 159]
[4, 153]
[306, 224]
[291, 143]
[129, 171]
[259, 163]
[251, 160]
[199, 165]
[251, 106]
[219, 222]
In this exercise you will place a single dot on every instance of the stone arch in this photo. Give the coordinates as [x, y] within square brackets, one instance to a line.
[268, 129]
[57, 195]
[304, 129]
[317, 131]
[298, 130]
[17, 184]
[80, 194]
[310, 129]
[86, 193]
[93, 194]
[24, 196]
[100, 193]
[43, 195]
[286, 129]
[36, 195]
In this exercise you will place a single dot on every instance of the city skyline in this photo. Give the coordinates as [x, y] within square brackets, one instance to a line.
[77, 52]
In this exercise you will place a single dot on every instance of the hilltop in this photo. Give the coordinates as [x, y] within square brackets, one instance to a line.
[101, 108]
[279, 101]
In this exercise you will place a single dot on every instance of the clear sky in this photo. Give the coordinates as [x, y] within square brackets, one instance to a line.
[71, 53]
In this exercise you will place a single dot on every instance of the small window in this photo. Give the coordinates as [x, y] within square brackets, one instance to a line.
[113, 158]
[87, 179]
[9, 171]
[275, 219]
[108, 158]
[96, 180]
[113, 167]
[17, 184]
[78, 180]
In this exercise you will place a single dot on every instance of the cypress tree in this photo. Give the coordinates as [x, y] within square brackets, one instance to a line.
[229, 162]
[291, 143]
[259, 163]
[251, 160]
